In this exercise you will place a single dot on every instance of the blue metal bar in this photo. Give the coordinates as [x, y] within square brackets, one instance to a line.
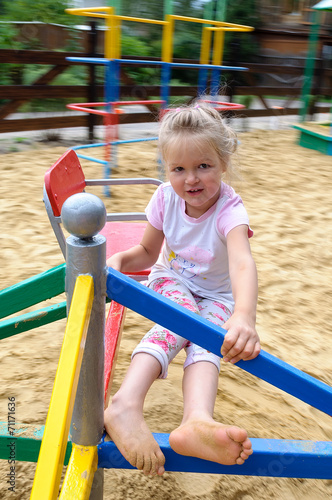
[97, 60]
[112, 81]
[271, 457]
[92, 60]
[166, 72]
[189, 325]
[182, 65]
[114, 143]
[85, 146]
[215, 85]
[90, 158]
[202, 81]
[129, 141]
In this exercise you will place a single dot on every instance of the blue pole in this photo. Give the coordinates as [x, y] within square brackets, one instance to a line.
[112, 81]
[202, 81]
[215, 85]
[165, 82]
[178, 319]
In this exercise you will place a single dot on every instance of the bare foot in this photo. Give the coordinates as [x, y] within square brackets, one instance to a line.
[227, 445]
[128, 429]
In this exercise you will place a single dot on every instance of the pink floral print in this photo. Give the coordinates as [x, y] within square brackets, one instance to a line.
[171, 343]
[164, 339]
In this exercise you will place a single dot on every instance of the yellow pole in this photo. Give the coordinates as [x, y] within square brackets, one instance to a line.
[78, 480]
[109, 42]
[205, 45]
[218, 47]
[52, 451]
[117, 34]
[167, 42]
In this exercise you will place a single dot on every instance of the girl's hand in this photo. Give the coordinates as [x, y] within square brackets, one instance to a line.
[241, 340]
[114, 261]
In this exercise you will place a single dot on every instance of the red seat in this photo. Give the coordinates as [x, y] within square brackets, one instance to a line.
[65, 178]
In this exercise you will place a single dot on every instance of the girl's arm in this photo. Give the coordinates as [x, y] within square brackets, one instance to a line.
[241, 340]
[141, 256]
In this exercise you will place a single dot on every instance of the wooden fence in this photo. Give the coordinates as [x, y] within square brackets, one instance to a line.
[260, 80]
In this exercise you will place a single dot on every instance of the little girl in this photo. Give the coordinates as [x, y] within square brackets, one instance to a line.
[205, 265]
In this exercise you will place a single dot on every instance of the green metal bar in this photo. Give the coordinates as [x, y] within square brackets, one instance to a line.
[168, 8]
[116, 4]
[221, 10]
[208, 11]
[32, 320]
[23, 442]
[310, 65]
[32, 291]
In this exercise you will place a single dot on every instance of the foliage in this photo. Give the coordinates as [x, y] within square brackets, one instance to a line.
[135, 46]
[11, 37]
[241, 47]
[45, 11]
[8, 35]
[137, 39]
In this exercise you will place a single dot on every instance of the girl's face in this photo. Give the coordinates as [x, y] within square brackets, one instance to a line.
[195, 173]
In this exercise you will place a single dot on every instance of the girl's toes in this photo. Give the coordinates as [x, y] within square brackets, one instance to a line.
[161, 470]
[247, 446]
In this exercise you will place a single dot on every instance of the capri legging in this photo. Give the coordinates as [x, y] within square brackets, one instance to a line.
[163, 344]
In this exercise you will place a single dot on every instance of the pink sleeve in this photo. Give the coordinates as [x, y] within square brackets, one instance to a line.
[232, 214]
[155, 209]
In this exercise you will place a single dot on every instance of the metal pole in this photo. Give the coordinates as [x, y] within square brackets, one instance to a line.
[221, 9]
[92, 89]
[83, 216]
[168, 8]
[310, 65]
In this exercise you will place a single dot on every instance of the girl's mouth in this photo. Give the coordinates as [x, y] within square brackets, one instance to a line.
[194, 192]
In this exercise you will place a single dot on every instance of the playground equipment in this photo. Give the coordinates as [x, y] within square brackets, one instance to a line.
[84, 216]
[66, 178]
[80, 392]
[87, 284]
[112, 62]
[316, 136]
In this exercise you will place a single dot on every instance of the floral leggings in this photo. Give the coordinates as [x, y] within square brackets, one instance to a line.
[163, 344]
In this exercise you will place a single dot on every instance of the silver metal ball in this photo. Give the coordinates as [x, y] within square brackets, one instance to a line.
[83, 215]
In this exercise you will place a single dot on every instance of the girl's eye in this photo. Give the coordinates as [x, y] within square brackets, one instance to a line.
[204, 165]
[178, 169]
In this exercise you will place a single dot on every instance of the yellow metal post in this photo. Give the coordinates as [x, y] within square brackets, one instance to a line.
[218, 46]
[109, 43]
[167, 42]
[52, 451]
[78, 480]
[206, 45]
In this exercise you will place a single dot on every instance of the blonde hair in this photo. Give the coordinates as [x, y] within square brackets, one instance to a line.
[199, 122]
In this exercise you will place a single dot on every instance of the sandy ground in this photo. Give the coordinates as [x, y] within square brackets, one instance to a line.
[287, 192]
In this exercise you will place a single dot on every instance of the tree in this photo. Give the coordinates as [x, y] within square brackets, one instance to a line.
[45, 11]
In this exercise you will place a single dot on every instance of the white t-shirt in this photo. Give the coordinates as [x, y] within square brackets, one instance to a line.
[195, 250]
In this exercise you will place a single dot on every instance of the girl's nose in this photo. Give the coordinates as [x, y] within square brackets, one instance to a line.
[191, 178]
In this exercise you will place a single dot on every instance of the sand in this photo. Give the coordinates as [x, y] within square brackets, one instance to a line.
[287, 192]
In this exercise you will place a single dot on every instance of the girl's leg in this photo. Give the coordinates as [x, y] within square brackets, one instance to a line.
[124, 420]
[199, 435]
[160, 342]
